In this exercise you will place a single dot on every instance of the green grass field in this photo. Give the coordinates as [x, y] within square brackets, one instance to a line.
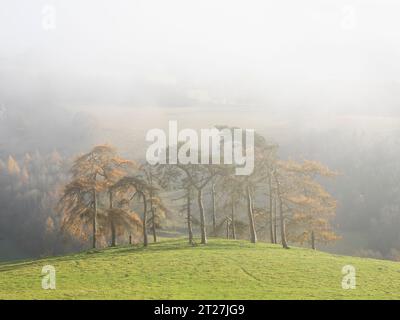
[224, 269]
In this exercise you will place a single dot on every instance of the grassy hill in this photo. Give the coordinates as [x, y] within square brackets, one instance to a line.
[224, 269]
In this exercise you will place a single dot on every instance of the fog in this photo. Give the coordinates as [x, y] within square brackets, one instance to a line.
[336, 56]
[319, 78]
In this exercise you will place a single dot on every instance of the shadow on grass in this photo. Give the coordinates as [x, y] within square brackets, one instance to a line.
[162, 246]
[183, 244]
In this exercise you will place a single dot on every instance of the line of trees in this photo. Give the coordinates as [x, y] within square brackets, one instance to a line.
[280, 202]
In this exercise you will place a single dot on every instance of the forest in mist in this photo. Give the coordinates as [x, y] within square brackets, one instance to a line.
[321, 81]
[35, 166]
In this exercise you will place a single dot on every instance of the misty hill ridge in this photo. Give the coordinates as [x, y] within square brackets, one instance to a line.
[224, 269]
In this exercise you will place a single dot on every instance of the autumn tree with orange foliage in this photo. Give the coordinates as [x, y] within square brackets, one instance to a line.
[312, 206]
[93, 175]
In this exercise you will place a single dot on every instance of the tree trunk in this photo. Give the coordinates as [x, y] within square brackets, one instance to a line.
[153, 213]
[130, 239]
[282, 223]
[312, 240]
[113, 233]
[233, 220]
[153, 225]
[214, 218]
[189, 218]
[145, 241]
[227, 228]
[282, 219]
[275, 222]
[202, 218]
[271, 218]
[253, 235]
[94, 218]
[283, 227]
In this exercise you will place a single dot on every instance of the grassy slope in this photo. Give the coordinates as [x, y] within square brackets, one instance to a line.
[221, 270]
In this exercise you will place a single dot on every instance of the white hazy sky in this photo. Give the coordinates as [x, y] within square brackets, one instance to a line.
[315, 56]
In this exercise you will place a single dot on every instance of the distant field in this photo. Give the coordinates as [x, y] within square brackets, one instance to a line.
[224, 269]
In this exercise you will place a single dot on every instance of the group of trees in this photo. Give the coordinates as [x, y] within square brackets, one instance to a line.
[103, 196]
[29, 225]
[110, 197]
[282, 200]
[32, 182]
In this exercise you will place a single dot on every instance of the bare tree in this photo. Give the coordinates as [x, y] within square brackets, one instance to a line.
[139, 188]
